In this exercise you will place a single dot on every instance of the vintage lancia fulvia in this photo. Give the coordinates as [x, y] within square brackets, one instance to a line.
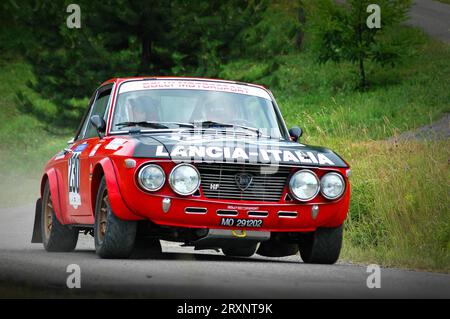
[204, 162]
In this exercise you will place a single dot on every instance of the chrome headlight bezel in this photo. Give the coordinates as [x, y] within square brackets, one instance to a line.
[172, 182]
[322, 189]
[292, 179]
[140, 178]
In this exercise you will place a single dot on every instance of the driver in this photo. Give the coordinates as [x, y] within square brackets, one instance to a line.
[219, 110]
[143, 109]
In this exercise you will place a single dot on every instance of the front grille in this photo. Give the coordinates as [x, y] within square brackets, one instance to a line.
[219, 181]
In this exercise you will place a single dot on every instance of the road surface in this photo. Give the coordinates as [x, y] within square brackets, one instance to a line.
[431, 16]
[26, 270]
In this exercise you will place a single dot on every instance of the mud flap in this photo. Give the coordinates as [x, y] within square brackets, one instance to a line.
[37, 232]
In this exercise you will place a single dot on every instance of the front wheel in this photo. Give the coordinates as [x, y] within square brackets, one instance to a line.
[114, 238]
[322, 247]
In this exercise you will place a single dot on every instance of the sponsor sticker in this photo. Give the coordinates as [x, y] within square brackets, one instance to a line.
[115, 144]
[74, 180]
[95, 149]
[242, 154]
[74, 175]
[80, 148]
[194, 85]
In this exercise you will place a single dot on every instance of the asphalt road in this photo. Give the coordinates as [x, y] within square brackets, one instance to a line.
[431, 16]
[26, 270]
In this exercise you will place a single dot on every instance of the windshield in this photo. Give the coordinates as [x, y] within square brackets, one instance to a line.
[173, 108]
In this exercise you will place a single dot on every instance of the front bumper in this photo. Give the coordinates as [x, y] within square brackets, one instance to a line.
[206, 214]
[166, 208]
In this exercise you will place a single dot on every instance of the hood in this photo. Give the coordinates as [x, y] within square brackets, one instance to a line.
[235, 148]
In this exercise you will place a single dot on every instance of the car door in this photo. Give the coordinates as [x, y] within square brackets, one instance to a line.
[80, 163]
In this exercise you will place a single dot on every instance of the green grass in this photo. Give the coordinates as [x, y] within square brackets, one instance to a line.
[399, 214]
[25, 144]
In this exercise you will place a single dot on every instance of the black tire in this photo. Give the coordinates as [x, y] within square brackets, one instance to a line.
[56, 237]
[322, 247]
[240, 250]
[114, 238]
[145, 248]
[275, 248]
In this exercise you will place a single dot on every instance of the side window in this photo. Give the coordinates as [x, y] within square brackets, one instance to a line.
[99, 108]
[82, 127]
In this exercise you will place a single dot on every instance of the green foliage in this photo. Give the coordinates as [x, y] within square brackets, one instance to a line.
[247, 70]
[121, 38]
[272, 35]
[341, 33]
[25, 144]
[208, 32]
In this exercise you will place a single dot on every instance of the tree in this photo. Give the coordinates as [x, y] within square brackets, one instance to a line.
[301, 15]
[342, 32]
[122, 38]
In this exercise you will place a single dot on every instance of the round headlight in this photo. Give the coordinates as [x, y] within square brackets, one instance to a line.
[151, 177]
[332, 185]
[304, 185]
[184, 179]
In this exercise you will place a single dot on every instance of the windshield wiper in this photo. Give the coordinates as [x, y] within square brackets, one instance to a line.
[180, 124]
[156, 125]
[218, 124]
[142, 123]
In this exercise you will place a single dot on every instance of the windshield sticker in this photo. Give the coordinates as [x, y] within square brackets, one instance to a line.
[194, 85]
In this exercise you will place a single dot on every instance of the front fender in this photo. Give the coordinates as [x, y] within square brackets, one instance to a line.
[118, 206]
[54, 182]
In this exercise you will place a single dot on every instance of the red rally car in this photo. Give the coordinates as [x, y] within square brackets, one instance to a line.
[208, 163]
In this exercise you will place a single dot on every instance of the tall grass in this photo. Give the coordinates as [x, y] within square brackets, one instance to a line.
[399, 213]
[400, 202]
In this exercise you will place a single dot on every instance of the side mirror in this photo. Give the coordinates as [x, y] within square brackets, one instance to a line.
[99, 124]
[71, 141]
[295, 133]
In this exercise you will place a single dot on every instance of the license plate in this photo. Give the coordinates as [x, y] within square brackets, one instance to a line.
[238, 222]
